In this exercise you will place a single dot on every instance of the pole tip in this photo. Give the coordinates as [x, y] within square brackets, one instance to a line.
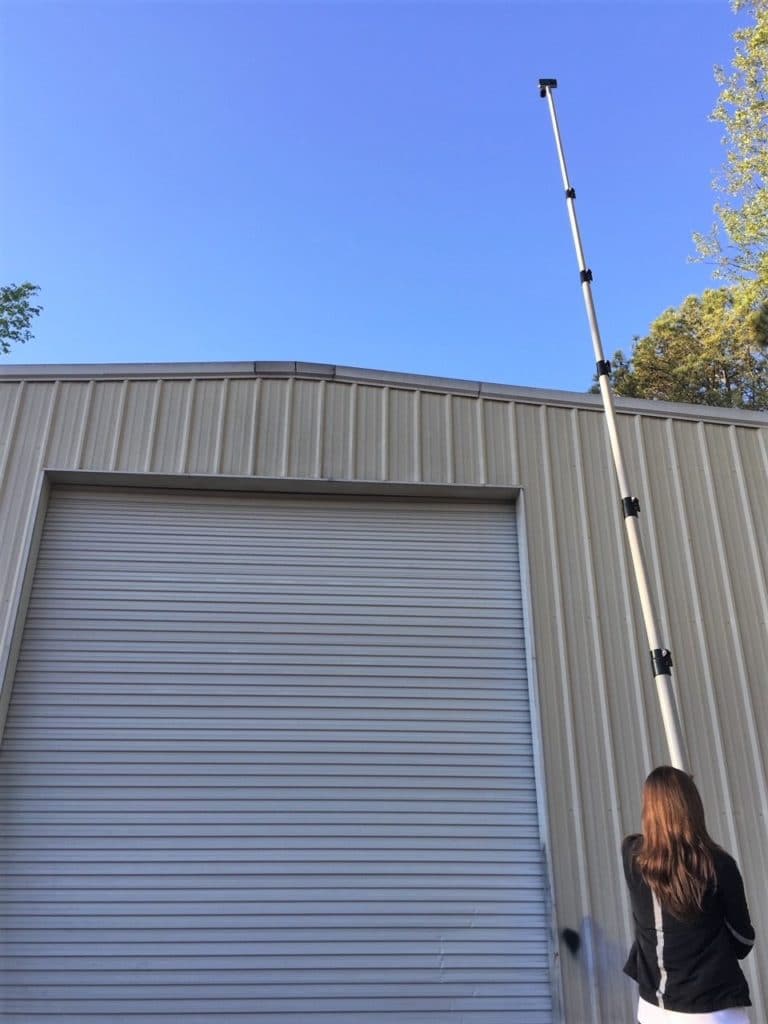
[546, 83]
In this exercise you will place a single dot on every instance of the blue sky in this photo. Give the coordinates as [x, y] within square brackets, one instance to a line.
[370, 184]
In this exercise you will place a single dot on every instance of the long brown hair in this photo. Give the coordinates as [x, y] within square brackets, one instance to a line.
[675, 857]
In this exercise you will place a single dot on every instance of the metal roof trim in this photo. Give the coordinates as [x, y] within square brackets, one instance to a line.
[381, 378]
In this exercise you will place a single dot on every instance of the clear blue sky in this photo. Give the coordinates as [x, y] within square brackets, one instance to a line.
[363, 183]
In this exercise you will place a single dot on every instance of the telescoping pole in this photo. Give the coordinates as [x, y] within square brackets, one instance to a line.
[661, 658]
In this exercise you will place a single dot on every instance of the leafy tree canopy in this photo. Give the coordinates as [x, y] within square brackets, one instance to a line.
[738, 245]
[711, 350]
[17, 311]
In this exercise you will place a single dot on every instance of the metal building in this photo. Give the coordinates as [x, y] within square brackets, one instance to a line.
[325, 692]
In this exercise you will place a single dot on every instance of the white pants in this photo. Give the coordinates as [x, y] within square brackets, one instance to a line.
[647, 1013]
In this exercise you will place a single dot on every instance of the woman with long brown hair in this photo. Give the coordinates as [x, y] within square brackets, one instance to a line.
[690, 914]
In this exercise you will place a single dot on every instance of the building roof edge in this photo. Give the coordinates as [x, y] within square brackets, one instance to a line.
[383, 378]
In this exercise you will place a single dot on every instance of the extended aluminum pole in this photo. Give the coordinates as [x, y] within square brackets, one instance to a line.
[661, 658]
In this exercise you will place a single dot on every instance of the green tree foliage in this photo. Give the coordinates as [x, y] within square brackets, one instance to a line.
[17, 311]
[711, 350]
[738, 245]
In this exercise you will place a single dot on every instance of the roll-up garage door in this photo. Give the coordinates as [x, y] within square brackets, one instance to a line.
[269, 758]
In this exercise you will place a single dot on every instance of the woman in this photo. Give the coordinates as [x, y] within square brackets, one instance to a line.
[691, 918]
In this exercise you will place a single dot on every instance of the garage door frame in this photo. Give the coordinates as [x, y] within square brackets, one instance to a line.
[21, 590]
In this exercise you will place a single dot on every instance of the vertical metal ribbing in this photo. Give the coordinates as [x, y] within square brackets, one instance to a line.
[660, 657]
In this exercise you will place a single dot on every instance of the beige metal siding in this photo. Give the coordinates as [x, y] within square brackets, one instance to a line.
[702, 479]
[272, 757]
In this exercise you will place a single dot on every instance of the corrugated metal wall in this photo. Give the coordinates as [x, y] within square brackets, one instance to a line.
[703, 485]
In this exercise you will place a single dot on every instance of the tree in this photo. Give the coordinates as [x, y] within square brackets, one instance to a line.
[711, 350]
[739, 244]
[17, 313]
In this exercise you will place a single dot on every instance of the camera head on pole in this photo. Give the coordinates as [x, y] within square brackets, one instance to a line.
[546, 83]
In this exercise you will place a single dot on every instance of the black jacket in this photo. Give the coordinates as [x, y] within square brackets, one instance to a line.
[690, 966]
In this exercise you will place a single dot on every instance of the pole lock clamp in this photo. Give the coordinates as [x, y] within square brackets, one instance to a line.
[585, 275]
[661, 662]
[603, 367]
[630, 506]
[570, 193]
